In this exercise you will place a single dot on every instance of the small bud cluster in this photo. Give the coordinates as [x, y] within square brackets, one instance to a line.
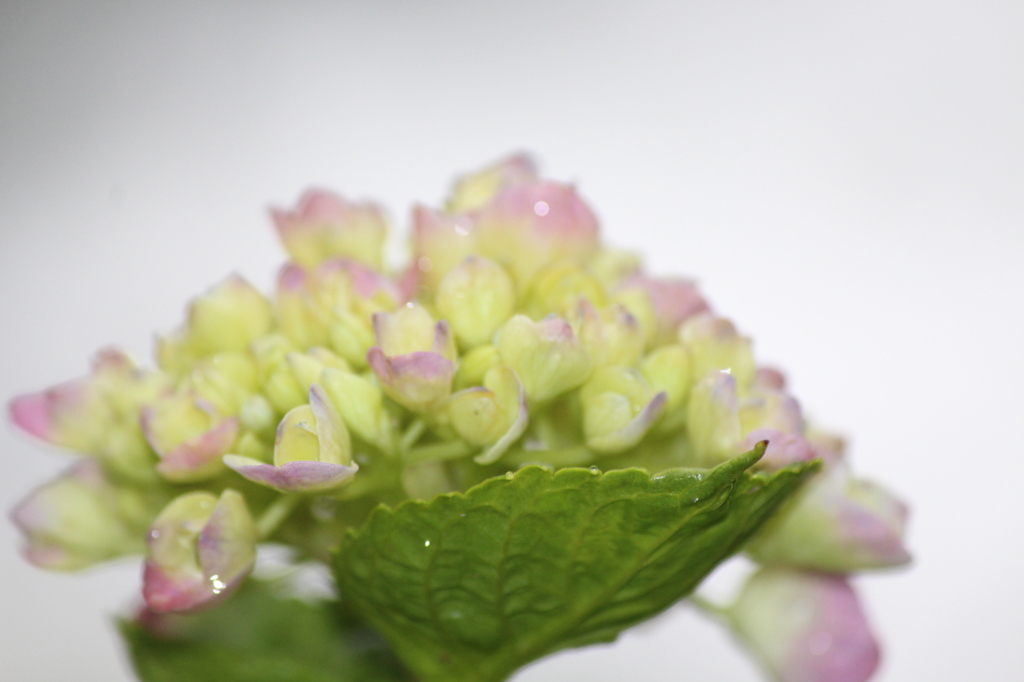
[513, 337]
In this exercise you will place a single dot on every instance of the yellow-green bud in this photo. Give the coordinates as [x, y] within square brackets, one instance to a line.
[351, 336]
[492, 415]
[546, 356]
[361, 405]
[712, 419]
[224, 380]
[714, 345]
[668, 369]
[476, 297]
[612, 336]
[619, 407]
[558, 288]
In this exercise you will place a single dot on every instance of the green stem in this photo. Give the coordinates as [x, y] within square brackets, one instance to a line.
[708, 607]
[412, 434]
[455, 449]
[275, 514]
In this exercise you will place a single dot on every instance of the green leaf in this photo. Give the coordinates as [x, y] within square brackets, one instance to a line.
[472, 586]
[256, 636]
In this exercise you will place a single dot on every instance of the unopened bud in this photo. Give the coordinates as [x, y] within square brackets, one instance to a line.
[224, 380]
[189, 436]
[325, 226]
[546, 356]
[619, 407]
[612, 336]
[361, 405]
[201, 548]
[288, 386]
[805, 626]
[476, 297]
[558, 288]
[414, 358]
[351, 336]
[668, 369]
[440, 242]
[493, 415]
[715, 346]
[228, 318]
[674, 300]
[475, 190]
[73, 521]
[838, 524]
[712, 419]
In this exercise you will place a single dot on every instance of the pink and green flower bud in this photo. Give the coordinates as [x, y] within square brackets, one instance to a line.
[837, 524]
[324, 226]
[312, 453]
[224, 380]
[476, 190]
[805, 627]
[360, 403]
[766, 408]
[189, 436]
[526, 227]
[288, 386]
[674, 300]
[475, 364]
[638, 303]
[611, 336]
[715, 346]
[228, 318]
[476, 297]
[82, 414]
[301, 315]
[75, 521]
[414, 358]
[440, 242]
[546, 356]
[558, 288]
[667, 369]
[712, 419]
[201, 548]
[619, 408]
[492, 416]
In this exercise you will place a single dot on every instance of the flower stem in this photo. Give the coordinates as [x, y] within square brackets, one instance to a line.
[439, 452]
[412, 434]
[275, 514]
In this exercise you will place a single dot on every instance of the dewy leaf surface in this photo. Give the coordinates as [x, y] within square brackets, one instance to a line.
[472, 586]
[257, 636]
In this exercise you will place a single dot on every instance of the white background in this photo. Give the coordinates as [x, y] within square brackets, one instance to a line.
[846, 179]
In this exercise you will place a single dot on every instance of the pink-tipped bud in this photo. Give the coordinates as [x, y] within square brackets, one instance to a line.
[201, 548]
[836, 523]
[414, 358]
[475, 190]
[75, 521]
[546, 356]
[189, 436]
[674, 300]
[323, 226]
[805, 627]
[715, 346]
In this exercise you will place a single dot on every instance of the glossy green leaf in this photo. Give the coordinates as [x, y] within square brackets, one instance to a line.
[472, 586]
[257, 636]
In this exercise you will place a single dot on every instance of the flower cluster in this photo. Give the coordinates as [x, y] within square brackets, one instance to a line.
[514, 336]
